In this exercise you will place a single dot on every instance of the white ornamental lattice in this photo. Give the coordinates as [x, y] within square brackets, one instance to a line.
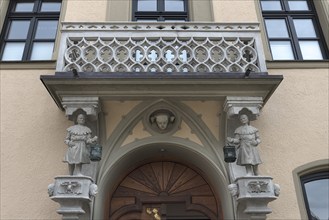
[161, 54]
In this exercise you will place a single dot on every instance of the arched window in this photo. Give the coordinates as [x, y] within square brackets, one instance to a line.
[312, 185]
[316, 194]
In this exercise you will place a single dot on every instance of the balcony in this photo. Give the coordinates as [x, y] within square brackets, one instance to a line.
[161, 47]
[186, 61]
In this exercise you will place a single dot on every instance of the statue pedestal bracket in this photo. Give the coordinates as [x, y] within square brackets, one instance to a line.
[74, 194]
[253, 193]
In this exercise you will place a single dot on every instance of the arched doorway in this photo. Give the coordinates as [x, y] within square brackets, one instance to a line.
[164, 190]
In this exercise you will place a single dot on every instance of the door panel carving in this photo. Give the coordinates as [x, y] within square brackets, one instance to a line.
[169, 189]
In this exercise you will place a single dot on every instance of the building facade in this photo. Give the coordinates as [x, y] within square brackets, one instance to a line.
[163, 85]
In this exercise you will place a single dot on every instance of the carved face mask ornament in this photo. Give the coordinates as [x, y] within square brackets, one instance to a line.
[162, 121]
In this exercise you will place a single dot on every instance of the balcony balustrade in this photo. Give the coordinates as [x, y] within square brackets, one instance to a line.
[161, 47]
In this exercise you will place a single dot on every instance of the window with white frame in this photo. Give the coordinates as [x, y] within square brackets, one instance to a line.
[293, 30]
[30, 29]
[160, 10]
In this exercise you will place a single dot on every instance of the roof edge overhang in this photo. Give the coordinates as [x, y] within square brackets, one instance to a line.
[140, 86]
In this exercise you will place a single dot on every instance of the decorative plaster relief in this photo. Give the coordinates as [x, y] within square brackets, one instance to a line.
[74, 194]
[70, 188]
[234, 105]
[258, 187]
[252, 194]
[89, 105]
[161, 120]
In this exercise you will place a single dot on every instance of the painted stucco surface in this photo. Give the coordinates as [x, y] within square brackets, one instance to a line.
[32, 134]
[294, 131]
[78, 10]
[234, 11]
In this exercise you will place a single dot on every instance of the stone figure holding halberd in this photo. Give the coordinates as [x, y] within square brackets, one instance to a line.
[78, 138]
[247, 138]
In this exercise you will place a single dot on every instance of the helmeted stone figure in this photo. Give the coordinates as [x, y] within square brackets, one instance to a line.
[77, 138]
[247, 139]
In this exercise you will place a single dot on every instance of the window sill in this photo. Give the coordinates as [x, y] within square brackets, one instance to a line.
[303, 64]
[9, 65]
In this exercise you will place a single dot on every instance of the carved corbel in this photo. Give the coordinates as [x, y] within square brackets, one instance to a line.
[254, 194]
[234, 105]
[74, 194]
[90, 105]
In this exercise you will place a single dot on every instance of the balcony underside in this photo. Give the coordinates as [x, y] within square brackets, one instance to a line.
[141, 86]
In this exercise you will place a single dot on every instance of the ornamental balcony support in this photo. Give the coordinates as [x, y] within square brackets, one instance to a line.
[75, 192]
[251, 191]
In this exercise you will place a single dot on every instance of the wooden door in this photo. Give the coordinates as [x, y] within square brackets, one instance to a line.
[164, 190]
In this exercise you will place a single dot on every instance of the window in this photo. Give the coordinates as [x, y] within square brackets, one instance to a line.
[293, 30]
[316, 195]
[160, 10]
[30, 30]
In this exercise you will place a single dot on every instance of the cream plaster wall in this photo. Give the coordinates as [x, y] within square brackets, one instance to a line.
[86, 10]
[209, 112]
[114, 111]
[294, 130]
[32, 134]
[234, 11]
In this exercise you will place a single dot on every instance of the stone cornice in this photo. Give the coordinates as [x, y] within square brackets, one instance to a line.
[183, 86]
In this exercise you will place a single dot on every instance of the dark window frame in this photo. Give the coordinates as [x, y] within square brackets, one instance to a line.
[288, 15]
[310, 178]
[34, 16]
[160, 14]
